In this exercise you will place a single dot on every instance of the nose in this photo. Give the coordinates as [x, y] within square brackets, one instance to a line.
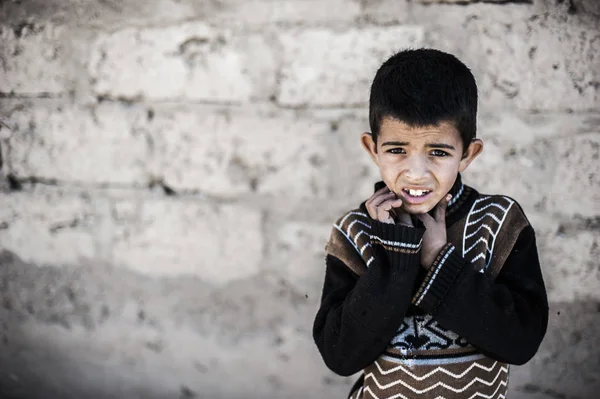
[416, 169]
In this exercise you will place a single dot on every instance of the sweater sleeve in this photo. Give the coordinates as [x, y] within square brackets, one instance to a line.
[505, 318]
[359, 315]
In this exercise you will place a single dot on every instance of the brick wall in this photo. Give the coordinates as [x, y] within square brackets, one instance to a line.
[171, 170]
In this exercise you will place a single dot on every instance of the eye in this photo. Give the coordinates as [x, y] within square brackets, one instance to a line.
[439, 153]
[396, 151]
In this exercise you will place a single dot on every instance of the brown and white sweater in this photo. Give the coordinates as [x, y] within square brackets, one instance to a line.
[450, 332]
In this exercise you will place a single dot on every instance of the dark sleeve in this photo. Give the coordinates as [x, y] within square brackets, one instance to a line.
[505, 318]
[359, 315]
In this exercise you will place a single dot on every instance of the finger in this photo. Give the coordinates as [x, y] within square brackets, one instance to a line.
[385, 216]
[370, 207]
[427, 220]
[396, 206]
[386, 209]
[371, 210]
[395, 210]
[375, 195]
[383, 210]
[440, 209]
[393, 214]
[390, 203]
[404, 218]
[379, 192]
[376, 202]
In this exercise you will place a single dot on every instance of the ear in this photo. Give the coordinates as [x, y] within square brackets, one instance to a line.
[366, 139]
[473, 150]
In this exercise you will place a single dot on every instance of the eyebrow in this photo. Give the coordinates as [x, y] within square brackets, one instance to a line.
[390, 143]
[440, 145]
[430, 145]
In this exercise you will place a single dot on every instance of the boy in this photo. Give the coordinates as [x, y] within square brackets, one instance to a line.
[431, 289]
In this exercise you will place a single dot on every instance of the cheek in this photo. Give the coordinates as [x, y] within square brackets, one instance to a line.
[390, 172]
[443, 169]
[446, 174]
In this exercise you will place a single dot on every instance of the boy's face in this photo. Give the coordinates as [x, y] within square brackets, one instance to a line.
[419, 164]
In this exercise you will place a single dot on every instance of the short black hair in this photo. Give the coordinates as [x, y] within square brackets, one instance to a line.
[424, 87]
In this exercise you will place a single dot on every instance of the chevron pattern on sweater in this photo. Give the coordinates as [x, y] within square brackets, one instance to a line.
[361, 393]
[484, 378]
[355, 226]
[483, 223]
[406, 370]
[437, 384]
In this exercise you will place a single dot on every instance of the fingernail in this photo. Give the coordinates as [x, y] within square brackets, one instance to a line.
[448, 197]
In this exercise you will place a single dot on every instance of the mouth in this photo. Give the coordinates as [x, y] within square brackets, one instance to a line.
[416, 196]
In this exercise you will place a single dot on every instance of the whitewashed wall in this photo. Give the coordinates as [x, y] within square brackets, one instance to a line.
[171, 170]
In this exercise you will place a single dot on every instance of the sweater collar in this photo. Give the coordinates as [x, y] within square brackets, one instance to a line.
[457, 191]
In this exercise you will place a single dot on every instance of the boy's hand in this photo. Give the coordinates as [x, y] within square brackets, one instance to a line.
[434, 238]
[385, 205]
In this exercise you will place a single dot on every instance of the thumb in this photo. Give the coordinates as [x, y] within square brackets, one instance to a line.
[427, 220]
[440, 210]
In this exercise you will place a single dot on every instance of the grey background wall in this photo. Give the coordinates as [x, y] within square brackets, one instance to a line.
[171, 170]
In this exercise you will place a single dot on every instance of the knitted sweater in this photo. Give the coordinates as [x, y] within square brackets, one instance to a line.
[449, 332]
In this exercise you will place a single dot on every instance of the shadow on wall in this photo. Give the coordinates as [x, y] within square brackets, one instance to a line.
[98, 332]
[48, 336]
[34, 369]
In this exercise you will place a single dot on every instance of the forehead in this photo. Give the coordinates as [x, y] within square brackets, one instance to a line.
[393, 129]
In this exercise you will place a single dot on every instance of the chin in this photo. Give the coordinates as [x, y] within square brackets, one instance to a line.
[418, 209]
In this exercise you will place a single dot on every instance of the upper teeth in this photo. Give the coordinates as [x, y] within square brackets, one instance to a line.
[417, 192]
